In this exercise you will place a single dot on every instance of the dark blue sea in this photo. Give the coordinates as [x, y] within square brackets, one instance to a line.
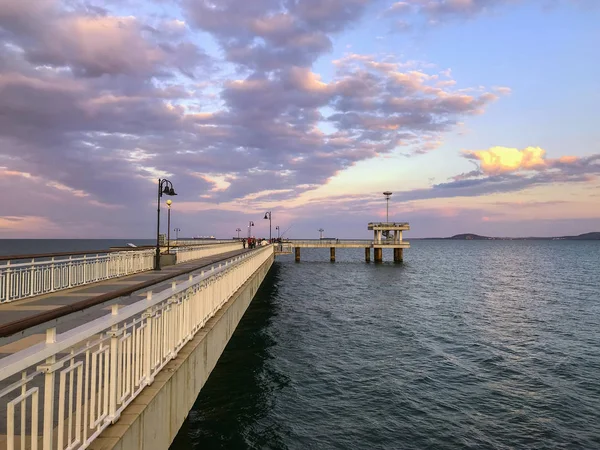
[467, 345]
[37, 246]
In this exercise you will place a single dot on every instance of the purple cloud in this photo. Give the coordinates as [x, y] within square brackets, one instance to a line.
[408, 13]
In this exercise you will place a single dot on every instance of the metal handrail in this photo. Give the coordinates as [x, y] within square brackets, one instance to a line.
[75, 253]
[393, 224]
[194, 252]
[345, 241]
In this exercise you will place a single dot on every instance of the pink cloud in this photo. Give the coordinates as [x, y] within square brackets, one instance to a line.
[505, 159]
[499, 160]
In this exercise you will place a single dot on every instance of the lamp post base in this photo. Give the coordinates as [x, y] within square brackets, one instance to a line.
[157, 260]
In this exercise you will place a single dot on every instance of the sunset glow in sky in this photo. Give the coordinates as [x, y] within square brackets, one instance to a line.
[479, 115]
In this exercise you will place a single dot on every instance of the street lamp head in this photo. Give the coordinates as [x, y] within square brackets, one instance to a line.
[387, 194]
[266, 215]
[169, 191]
[169, 203]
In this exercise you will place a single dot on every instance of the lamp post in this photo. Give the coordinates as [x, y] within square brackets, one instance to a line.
[169, 203]
[321, 231]
[277, 228]
[268, 216]
[250, 225]
[238, 232]
[176, 230]
[164, 187]
[387, 205]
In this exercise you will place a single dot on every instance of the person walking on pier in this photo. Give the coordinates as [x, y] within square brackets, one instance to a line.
[244, 242]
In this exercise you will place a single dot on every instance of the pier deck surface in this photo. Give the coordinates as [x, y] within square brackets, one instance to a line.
[29, 307]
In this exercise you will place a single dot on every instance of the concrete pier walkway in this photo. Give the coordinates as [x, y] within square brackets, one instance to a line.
[28, 308]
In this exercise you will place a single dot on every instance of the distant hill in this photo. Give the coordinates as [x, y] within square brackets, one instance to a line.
[593, 236]
[469, 237]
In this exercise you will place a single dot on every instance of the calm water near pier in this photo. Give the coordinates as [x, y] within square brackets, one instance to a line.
[469, 344]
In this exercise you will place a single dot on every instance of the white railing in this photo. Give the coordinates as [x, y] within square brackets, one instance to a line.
[77, 383]
[365, 242]
[283, 248]
[191, 242]
[21, 279]
[188, 253]
[388, 224]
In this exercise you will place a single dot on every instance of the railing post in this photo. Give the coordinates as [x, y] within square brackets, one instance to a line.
[84, 264]
[8, 282]
[32, 278]
[52, 274]
[149, 378]
[2, 282]
[114, 334]
[49, 368]
[70, 269]
[174, 325]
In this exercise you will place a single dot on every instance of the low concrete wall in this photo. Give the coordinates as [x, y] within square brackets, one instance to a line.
[168, 260]
[154, 418]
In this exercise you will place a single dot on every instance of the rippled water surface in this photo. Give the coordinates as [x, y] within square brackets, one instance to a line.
[468, 344]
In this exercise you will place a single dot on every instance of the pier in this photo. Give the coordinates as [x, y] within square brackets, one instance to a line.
[98, 350]
[385, 235]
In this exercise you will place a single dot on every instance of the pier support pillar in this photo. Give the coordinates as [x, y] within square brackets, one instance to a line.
[367, 254]
[398, 254]
[332, 254]
[378, 254]
[297, 251]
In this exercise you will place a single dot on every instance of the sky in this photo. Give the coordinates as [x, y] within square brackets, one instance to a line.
[479, 115]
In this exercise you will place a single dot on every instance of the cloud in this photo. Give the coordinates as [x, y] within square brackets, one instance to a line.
[436, 12]
[262, 35]
[502, 169]
[498, 160]
[91, 44]
[503, 159]
[273, 124]
[27, 225]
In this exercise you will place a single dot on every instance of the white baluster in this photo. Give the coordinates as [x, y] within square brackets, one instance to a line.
[8, 281]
